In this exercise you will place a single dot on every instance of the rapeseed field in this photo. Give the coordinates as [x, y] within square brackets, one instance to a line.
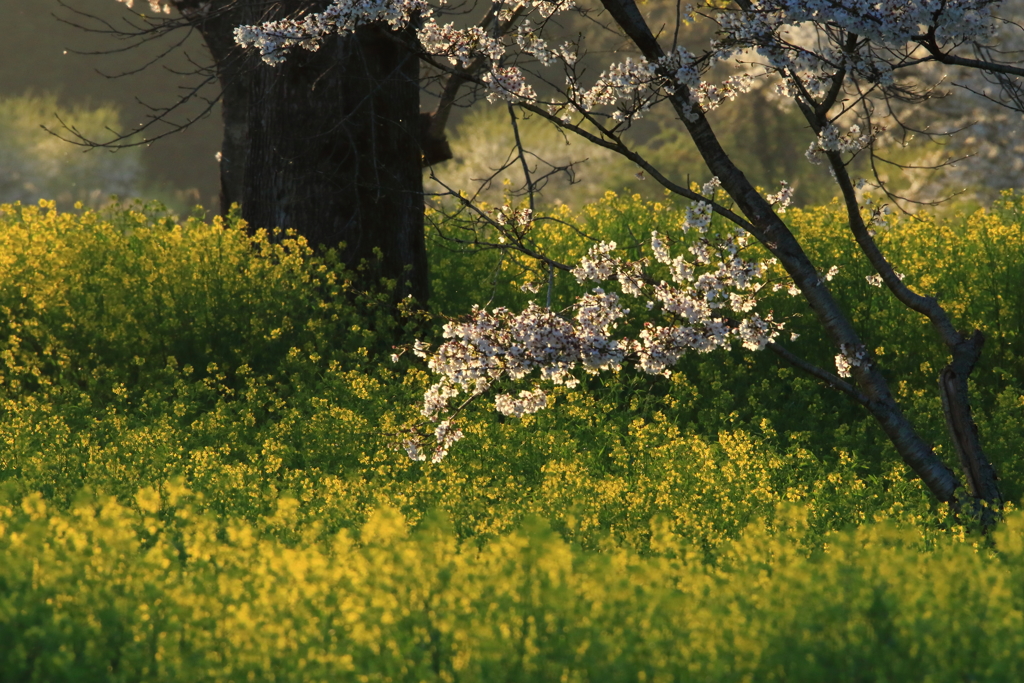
[199, 478]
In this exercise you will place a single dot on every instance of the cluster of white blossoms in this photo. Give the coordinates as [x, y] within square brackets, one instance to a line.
[508, 83]
[849, 358]
[275, 39]
[792, 38]
[630, 87]
[631, 84]
[710, 95]
[154, 6]
[529, 402]
[781, 199]
[600, 265]
[529, 42]
[876, 279]
[889, 23]
[706, 303]
[799, 36]
[521, 217]
[831, 140]
[803, 43]
[459, 46]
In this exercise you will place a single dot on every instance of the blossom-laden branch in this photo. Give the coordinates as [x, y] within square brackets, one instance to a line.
[707, 303]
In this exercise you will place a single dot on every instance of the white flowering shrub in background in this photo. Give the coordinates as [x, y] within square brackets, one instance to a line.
[37, 165]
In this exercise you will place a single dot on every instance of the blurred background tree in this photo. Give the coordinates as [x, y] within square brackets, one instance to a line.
[35, 164]
[41, 54]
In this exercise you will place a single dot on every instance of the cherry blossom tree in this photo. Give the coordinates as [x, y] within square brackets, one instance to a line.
[848, 66]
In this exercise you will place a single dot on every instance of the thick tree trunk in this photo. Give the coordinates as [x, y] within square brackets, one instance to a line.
[334, 153]
[981, 478]
[327, 143]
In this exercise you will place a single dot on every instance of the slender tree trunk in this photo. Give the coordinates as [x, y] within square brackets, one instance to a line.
[775, 235]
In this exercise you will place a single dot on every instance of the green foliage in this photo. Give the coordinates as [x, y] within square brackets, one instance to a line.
[197, 442]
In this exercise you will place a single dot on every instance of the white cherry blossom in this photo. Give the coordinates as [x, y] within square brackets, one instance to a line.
[709, 304]
[528, 402]
[849, 358]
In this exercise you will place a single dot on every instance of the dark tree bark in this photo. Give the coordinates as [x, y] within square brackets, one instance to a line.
[334, 153]
[327, 143]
